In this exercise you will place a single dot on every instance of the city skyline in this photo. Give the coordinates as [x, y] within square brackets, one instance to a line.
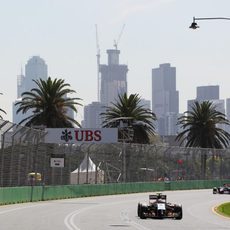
[165, 105]
[155, 32]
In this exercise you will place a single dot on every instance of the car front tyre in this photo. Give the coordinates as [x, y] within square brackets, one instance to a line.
[142, 213]
[179, 213]
[214, 191]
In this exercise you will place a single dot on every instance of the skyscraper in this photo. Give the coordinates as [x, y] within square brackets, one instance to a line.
[210, 92]
[228, 108]
[228, 112]
[20, 84]
[92, 118]
[113, 78]
[35, 69]
[113, 83]
[205, 93]
[165, 97]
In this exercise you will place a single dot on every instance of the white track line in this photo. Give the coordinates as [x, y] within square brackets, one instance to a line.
[69, 219]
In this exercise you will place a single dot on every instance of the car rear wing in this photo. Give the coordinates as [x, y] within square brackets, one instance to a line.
[157, 196]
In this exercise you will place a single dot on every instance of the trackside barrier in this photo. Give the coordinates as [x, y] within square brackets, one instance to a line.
[11, 195]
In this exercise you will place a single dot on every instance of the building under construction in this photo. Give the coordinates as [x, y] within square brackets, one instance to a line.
[113, 78]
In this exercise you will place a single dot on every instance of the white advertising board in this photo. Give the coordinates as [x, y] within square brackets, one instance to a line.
[57, 162]
[73, 136]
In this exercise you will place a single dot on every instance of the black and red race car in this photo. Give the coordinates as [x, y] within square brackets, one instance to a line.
[225, 189]
[158, 207]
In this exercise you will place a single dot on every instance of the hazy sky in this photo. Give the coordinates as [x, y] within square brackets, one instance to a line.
[62, 32]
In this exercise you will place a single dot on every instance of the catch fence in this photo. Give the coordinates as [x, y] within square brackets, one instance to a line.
[24, 157]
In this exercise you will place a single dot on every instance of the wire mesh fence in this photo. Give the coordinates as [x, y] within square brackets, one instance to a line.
[26, 160]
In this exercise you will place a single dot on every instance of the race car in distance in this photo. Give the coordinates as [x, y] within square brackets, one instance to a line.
[158, 207]
[225, 189]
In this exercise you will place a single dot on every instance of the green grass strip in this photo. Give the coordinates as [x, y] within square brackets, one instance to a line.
[224, 209]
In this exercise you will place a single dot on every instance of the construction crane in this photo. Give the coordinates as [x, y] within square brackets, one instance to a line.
[119, 37]
[98, 64]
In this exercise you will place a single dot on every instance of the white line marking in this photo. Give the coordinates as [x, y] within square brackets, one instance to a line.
[20, 208]
[69, 219]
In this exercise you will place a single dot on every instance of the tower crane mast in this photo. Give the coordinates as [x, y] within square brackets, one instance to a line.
[98, 64]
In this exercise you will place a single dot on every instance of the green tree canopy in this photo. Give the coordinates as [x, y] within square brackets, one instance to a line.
[201, 127]
[49, 104]
[129, 112]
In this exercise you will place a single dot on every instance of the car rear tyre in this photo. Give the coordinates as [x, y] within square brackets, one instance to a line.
[138, 209]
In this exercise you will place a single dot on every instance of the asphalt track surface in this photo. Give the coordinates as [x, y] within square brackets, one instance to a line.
[118, 212]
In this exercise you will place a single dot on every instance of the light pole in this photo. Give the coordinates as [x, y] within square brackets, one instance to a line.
[125, 128]
[195, 26]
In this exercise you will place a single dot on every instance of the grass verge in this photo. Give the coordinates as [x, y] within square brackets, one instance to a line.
[224, 209]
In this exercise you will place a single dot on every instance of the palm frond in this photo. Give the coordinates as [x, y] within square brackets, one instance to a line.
[49, 104]
[200, 127]
[129, 111]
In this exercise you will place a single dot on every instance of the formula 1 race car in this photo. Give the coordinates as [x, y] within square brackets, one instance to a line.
[225, 189]
[158, 207]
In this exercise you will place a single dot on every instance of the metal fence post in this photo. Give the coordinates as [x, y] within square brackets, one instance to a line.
[3, 147]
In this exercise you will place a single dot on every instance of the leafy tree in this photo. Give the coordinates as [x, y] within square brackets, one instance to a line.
[135, 118]
[49, 103]
[2, 111]
[201, 128]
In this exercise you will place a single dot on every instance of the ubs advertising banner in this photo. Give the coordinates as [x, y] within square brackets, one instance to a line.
[73, 136]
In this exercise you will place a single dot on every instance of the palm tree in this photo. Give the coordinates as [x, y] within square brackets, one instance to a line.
[137, 119]
[49, 103]
[200, 128]
[2, 111]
